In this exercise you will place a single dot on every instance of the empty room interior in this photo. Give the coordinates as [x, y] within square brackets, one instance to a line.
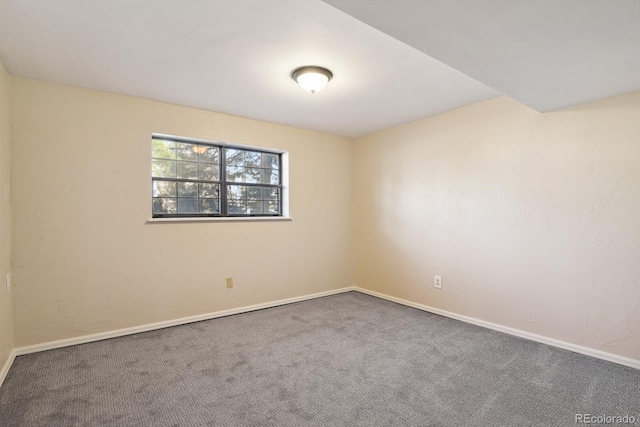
[305, 212]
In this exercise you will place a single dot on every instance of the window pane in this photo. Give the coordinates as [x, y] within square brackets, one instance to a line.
[187, 189]
[187, 151]
[210, 206]
[275, 177]
[209, 191]
[254, 208]
[252, 159]
[253, 200]
[270, 161]
[252, 175]
[272, 207]
[208, 154]
[234, 157]
[161, 149]
[164, 205]
[164, 189]
[254, 193]
[187, 170]
[271, 193]
[236, 192]
[187, 205]
[235, 173]
[267, 176]
[208, 172]
[163, 168]
[236, 207]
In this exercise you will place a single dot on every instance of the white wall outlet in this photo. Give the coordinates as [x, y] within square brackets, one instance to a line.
[8, 282]
[229, 282]
[437, 282]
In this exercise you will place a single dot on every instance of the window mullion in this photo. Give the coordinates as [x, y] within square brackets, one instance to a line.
[280, 185]
[223, 181]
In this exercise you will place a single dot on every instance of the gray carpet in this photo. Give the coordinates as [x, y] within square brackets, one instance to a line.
[344, 360]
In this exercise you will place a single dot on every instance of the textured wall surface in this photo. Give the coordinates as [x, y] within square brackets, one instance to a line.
[6, 318]
[533, 220]
[87, 261]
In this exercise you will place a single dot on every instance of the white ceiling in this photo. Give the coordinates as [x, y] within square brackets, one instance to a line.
[233, 56]
[236, 56]
[547, 54]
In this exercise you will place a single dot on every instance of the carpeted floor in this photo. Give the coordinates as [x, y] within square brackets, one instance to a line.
[344, 360]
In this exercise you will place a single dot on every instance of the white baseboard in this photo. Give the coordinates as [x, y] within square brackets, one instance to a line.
[598, 354]
[7, 365]
[168, 323]
[621, 360]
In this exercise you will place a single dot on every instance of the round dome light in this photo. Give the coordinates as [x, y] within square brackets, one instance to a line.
[312, 78]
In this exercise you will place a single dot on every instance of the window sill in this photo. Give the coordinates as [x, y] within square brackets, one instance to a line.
[222, 219]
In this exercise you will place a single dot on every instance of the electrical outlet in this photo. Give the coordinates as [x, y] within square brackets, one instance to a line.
[229, 282]
[8, 282]
[437, 282]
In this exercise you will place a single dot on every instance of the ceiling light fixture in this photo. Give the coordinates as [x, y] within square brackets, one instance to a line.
[311, 78]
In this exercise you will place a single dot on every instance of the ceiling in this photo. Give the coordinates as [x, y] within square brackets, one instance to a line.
[547, 54]
[398, 61]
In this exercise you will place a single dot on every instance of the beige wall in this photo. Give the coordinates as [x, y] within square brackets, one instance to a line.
[6, 320]
[533, 220]
[85, 259]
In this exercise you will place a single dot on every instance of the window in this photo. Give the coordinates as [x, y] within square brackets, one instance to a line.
[206, 179]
